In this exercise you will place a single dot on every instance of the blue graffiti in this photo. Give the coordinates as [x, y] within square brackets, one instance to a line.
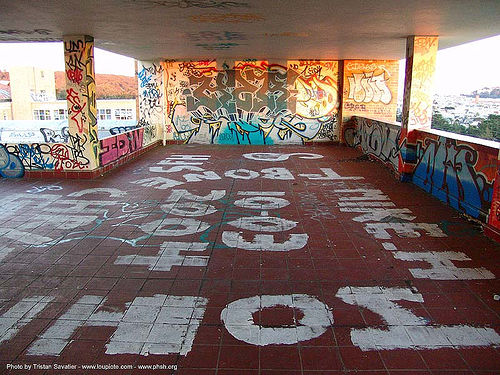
[35, 156]
[10, 164]
[447, 171]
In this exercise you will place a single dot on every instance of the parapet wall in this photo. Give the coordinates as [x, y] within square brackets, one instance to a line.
[460, 171]
[67, 160]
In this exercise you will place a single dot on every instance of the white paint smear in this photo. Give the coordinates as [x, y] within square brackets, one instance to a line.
[262, 203]
[264, 242]
[363, 195]
[272, 156]
[263, 223]
[329, 174]
[406, 330]
[161, 183]
[238, 319]
[242, 174]
[169, 256]
[379, 214]
[19, 315]
[190, 209]
[159, 324]
[173, 226]
[442, 266]
[277, 174]
[178, 194]
[113, 192]
[380, 230]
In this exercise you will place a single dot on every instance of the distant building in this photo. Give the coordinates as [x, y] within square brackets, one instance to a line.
[30, 94]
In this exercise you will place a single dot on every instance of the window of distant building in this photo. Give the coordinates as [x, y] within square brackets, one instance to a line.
[104, 114]
[41, 74]
[41, 114]
[43, 95]
[5, 116]
[123, 114]
[60, 114]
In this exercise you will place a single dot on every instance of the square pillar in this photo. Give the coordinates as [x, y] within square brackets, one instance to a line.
[81, 101]
[421, 54]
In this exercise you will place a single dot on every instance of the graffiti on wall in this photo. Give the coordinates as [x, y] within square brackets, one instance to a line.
[253, 102]
[81, 99]
[52, 136]
[370, 89]
[10, 164]
[458, 173]
[150, 83]
[462, 174]
[377, 139]
[114, 148]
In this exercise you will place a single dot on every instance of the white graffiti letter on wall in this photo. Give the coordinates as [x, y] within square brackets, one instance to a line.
[366, 88]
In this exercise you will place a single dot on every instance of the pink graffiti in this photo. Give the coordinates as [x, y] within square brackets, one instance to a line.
[113, 148]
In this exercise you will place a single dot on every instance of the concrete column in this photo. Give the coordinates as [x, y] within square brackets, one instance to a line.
[152, 95]
[419, 82]
[81, 100]
[418, 95]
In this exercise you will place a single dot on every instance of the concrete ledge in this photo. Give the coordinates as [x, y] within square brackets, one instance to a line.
[89, 175]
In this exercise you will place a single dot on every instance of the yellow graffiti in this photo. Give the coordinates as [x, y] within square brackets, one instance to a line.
[316, 98]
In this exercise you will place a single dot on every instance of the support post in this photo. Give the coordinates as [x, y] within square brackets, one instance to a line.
[81, 101]
[421, 54]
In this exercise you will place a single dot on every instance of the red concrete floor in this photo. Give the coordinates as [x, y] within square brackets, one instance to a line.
[251, 260]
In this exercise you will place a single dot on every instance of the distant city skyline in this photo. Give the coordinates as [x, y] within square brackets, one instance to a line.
[459, 70]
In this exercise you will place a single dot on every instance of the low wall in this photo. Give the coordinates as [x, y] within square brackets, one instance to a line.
[460, 171]
[66, 160]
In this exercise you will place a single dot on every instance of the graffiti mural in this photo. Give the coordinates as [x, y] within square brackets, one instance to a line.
[458, 173]
[370, 89]
[254, 102]
[151, 97]
[377, 139]
[114, 148]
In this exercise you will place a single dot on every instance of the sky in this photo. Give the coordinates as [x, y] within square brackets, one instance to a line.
[459, 69]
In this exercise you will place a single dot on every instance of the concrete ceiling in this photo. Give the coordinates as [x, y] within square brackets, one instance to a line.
[265, 29]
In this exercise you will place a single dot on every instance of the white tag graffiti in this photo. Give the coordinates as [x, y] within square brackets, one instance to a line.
[442, 266]
[238, 319]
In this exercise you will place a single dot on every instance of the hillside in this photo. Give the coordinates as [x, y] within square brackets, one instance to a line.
[108, 86]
